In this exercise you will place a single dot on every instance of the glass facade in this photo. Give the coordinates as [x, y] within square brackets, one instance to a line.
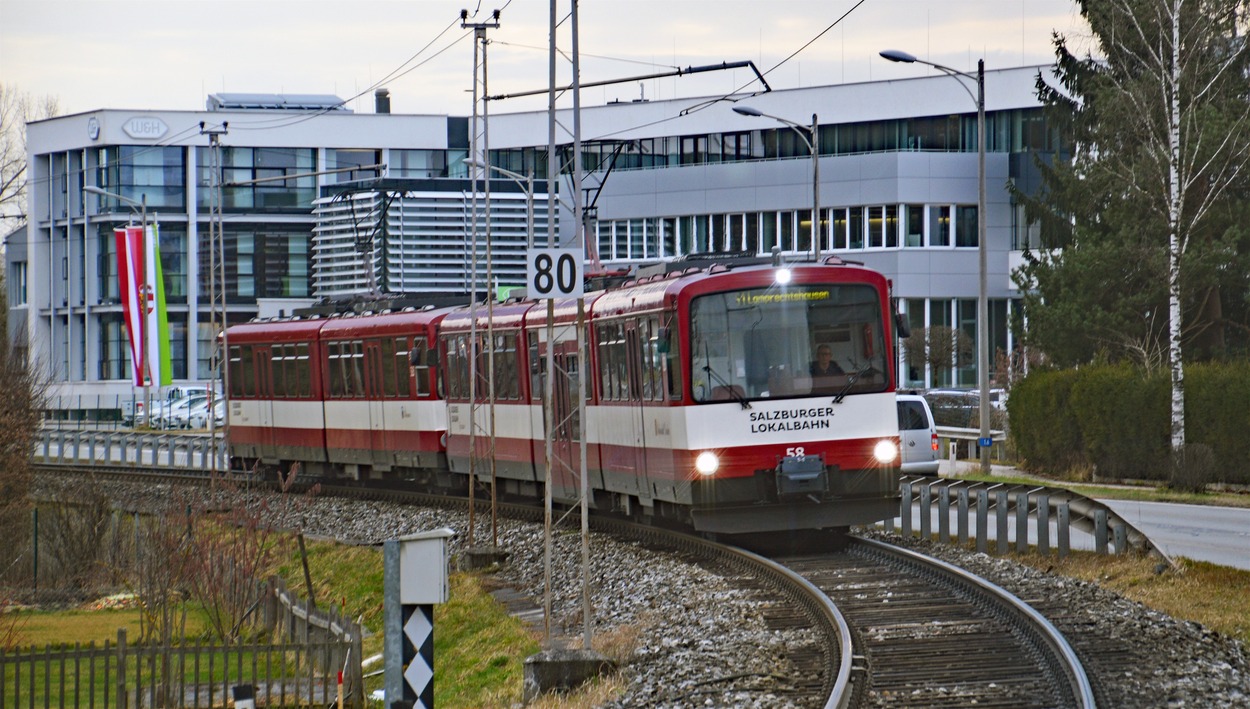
[888, 226]
[142, 172]
[261, 261]
[244, 165]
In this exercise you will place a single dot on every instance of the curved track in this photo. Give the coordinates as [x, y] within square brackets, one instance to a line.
[897, 628]
[930, 634]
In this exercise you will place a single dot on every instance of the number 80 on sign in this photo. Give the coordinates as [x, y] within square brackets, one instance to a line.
[554, 273]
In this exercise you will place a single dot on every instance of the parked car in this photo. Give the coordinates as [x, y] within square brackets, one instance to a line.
[197, 417]
[957, 408]
[174, 415]
[917, 434]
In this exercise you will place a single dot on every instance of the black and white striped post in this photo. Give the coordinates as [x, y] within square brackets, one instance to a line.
[415, 570]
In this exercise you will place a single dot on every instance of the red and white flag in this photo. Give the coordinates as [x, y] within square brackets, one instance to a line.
[130, 280]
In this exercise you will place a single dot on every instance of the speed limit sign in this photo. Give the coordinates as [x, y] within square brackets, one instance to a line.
[554, 273]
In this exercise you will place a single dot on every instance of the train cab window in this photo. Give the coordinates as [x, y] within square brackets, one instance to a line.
[247, 371]
[763, 343]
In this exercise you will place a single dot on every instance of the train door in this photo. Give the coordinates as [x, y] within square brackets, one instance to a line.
[567, 429]
[263, 370]
[536, 356]
[635, 423]
[378, 444]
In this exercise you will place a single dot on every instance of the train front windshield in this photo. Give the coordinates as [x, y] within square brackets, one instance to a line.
[802, 340]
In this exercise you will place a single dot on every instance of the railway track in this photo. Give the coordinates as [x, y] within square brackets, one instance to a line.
[930, 634]
[894, 628]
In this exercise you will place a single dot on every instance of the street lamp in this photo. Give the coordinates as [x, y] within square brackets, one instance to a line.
[813, 144]
[983, 365]
[526, 182]
[145, 371]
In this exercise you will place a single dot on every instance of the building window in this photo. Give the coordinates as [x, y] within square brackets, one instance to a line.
[913, 229]
[142, 173]
[966, 225]
[17, 283]
[939, 225]
[243, 165]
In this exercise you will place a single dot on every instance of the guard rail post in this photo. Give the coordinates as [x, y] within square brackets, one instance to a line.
[1002, 510]
[1121, 538]
[1100, 531]
[904, 510]
[1022, 521]
[1062, 532]
[983, 522]
[926, 510]
[1043, 524]
[962, 521]
[944, 514]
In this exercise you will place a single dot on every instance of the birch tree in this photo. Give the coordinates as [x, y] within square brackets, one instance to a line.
[1159, 112]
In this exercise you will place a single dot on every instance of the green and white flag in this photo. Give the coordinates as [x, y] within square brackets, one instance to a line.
[156, 321]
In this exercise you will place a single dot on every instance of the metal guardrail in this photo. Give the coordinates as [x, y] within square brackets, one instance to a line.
[1024, 515]
[116, 448]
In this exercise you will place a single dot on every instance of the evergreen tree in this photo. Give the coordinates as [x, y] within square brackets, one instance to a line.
[1148, 216]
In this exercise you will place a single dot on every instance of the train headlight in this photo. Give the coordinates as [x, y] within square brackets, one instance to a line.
[706, 463]
[885, 451]
[783, 276]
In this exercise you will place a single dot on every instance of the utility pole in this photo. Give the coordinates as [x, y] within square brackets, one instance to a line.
[480, 161]
[217, 292]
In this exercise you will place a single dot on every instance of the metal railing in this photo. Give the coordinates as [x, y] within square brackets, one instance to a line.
[140, 448]
[1023, 516]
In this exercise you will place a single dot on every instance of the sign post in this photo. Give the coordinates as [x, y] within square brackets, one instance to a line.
[415, 572]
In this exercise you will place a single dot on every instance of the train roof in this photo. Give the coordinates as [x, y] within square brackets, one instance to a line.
[275, 330]
[394, 323]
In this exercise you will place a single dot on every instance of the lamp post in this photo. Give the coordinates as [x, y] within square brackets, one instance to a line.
[813, 144]
[983, 365]
[526, 183]
[145, 371]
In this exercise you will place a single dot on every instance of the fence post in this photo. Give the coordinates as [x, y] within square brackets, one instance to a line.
[121, 668]
[944, 514]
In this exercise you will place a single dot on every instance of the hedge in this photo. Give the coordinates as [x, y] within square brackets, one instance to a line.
[1114, 420]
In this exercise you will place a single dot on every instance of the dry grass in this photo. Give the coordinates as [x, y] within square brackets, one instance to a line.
[41, 628]
[1218, 597]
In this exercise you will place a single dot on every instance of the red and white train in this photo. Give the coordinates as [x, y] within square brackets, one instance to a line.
[701, 408]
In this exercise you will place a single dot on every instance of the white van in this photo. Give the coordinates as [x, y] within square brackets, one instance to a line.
[917, 435]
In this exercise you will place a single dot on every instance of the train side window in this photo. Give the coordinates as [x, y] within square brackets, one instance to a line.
[418, 362]
[357, 369]
[672, 359]
[507, 380]
[538, 367]
[248, 369]
[302, 372]
[236, 371]
[334, 369]
[390, 385]
[277, 364]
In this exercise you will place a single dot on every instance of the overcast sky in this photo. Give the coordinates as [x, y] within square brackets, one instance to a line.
[170, 54]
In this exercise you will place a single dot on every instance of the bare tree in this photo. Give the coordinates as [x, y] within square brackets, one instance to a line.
[21, 401]
[938, 347]
[16, 110]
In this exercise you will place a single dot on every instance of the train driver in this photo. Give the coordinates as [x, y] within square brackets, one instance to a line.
[827, 376]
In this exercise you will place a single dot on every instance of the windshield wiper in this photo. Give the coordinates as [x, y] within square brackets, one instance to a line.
[850, 382]
[729, 388]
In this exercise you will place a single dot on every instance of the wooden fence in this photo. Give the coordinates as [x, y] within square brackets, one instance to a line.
[311, 653]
